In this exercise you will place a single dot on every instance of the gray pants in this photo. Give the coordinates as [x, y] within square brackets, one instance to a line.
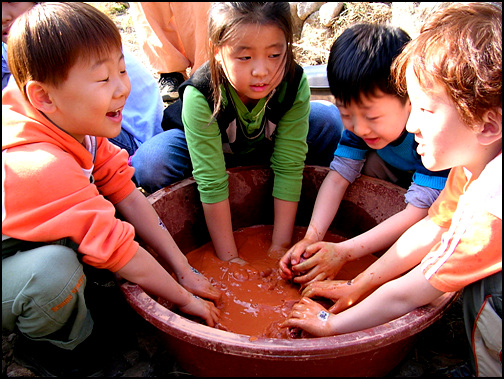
[378, 168]
[482, 302]
[43, 295]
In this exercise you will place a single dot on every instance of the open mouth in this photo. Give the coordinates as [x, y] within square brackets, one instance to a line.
[371, 141]
[259, 87]
[115, 114]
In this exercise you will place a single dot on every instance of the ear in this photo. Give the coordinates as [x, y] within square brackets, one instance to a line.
[39, 97]
[218, 55]
[491, 129]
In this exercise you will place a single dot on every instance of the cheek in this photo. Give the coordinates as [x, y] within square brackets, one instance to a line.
[346, 123]
[232, 73]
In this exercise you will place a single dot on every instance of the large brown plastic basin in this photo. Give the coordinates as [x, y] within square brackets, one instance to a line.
[205, 351]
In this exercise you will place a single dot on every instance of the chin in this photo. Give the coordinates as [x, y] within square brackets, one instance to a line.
[432, 165]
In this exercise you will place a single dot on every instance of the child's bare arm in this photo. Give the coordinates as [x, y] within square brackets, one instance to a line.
[407, 252]
[137, 210]
[324, 260]
[218, 220]
[285, 215]
[328, 200]
[392, 300]
[144, 270]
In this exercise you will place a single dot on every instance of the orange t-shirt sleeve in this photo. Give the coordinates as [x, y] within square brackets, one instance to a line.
[471, 253]
[442, 210]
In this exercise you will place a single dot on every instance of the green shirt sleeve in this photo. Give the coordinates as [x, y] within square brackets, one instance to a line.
[205, 147]
[287, 160]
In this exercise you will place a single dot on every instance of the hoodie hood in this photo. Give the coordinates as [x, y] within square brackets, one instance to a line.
[54, 187]
[23, 124]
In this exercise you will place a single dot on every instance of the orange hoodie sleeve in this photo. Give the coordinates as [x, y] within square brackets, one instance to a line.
[47, 197]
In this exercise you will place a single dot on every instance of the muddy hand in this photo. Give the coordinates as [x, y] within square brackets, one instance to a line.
[203, 309]
[199, 285]
[325, 262]
[341, 292]
[311, 317]
[292, 257]
[239, 261]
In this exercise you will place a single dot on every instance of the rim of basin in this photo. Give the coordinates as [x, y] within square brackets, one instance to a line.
[361, 341]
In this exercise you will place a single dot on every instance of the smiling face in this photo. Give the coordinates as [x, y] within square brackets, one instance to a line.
[91, 99]
[378, 120]
[444, 141]
[11, 11]
[253, 62]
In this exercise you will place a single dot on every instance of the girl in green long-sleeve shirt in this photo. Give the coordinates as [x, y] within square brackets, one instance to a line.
[249, 105]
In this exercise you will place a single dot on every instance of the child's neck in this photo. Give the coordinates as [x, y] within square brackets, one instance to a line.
[486, 156]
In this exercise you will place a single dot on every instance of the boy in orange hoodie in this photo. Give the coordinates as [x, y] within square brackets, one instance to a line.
[62, 182]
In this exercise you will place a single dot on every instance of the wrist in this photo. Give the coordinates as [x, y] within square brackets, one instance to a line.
[349, 250]
[312, 234]
[361, 283]
[186, 299]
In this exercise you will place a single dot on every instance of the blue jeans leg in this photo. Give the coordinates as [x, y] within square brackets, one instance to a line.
[125, 141]
[162, 160]
[324, 133]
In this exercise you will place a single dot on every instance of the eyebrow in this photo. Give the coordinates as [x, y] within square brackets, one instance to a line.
[239, 49]
[101, 61]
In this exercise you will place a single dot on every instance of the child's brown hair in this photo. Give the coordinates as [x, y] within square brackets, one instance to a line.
[459, 49]
[46, 41]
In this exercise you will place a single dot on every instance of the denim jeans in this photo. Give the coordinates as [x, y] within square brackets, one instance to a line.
[164, 159]
[125, 141]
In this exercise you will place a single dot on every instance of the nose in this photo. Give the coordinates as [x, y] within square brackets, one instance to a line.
[359, 127]
[410, 128]
[123, 87]
[411, 125]
[260, 68]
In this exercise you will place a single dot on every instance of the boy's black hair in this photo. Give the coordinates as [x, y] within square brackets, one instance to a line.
[360, 60]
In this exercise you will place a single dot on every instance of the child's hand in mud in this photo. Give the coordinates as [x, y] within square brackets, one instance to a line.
[292, 257]
[311, 317]
[342, 292]
[199, 285]
[323, 260]
[203, 309]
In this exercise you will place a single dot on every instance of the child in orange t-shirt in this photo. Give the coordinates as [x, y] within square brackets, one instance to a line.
[453, 75]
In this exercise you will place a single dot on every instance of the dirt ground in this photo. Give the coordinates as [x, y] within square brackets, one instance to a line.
[137, 350]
